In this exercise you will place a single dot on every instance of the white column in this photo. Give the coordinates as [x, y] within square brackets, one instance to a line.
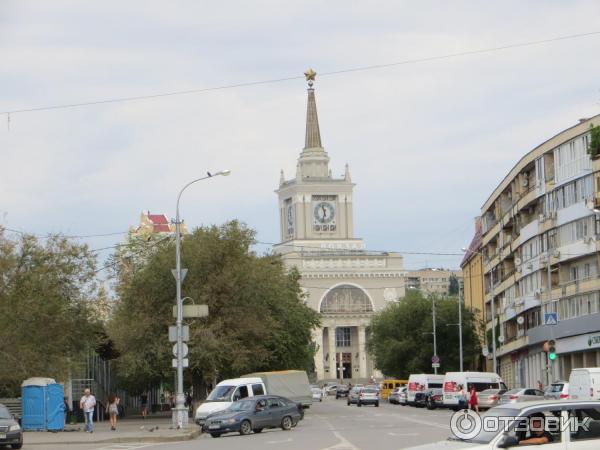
[332, 351]
[362, 355]
[318, 340]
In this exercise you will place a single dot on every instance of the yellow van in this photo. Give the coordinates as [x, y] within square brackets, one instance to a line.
[387, 386]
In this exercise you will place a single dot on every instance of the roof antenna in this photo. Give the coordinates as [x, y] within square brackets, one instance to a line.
[8, 121]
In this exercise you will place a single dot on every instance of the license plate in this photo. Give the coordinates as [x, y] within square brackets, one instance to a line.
[214, 427]
[2, 435]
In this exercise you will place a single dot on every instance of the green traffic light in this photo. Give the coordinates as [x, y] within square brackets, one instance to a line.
[551, 356]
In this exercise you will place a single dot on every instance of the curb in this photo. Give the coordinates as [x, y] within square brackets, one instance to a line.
[122, 440]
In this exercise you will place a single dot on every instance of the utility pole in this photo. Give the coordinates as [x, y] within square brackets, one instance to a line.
[460, 332]
[495, 365]
[434, 335]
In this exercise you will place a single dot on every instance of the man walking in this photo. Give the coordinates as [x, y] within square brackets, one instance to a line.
[88, 403]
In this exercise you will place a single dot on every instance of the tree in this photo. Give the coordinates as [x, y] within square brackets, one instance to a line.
[257, 317]
[454, 287]
[397, 341]
[46, 322]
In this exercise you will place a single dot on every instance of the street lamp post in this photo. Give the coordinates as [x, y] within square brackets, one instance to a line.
[180, 412]
[459, 325]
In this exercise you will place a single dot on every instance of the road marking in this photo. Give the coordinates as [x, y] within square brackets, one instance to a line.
[343, 444]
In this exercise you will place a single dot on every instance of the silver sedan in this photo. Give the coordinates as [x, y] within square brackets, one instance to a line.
[521, 395]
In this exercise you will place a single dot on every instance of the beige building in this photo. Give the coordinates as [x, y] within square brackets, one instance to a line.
[152, 224]
[541, 256]
[344, 282]
[432, 281]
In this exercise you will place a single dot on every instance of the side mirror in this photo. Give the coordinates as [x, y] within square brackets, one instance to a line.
[508, 441]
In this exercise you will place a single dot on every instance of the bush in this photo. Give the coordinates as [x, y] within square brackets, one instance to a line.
[594, 145]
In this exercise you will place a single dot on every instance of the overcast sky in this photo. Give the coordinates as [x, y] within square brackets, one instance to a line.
[426, 143]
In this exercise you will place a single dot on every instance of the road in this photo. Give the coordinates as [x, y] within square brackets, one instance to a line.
[330, 425]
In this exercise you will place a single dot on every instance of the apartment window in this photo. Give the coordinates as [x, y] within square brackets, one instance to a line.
[342, 337]
[586, 270]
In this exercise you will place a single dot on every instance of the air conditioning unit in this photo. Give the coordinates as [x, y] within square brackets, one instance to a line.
[588, 239]
[541, 218]
[556, 254]
[525, 182]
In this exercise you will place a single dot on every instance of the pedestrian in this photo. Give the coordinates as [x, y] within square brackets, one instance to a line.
[113, 410]
[462, 397]
[473, 404]
[540, 385]
[144, 405]
[87, 404]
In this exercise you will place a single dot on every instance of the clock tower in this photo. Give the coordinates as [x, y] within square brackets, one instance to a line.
[342, 280]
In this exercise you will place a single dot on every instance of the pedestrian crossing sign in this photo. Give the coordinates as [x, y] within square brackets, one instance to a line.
[551, 318]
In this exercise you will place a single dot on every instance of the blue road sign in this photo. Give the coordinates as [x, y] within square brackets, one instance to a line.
[551, 318]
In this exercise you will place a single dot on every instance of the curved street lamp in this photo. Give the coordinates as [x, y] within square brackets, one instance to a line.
[180, 412]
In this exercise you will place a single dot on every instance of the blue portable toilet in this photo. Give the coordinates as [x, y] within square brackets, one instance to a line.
[42, 404]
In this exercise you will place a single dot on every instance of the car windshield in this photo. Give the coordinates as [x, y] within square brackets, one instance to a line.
[370, 391]
[4, 413]
[221, 394]
[555, 388]
[242, 405]
[485, 437]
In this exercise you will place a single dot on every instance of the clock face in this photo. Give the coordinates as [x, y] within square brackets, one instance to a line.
[324, 213]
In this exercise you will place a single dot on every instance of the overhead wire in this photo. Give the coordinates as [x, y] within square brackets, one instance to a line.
[290, 78]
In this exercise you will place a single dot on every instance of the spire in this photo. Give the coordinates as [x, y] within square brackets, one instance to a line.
[313, 135]
[347, 173]
[281, 178]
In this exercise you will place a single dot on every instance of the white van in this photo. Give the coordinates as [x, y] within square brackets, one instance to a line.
[227, 392]
[422, 382]
[584, 384]
[481, 381]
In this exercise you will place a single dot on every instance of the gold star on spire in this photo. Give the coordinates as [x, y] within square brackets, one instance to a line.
[310, 75]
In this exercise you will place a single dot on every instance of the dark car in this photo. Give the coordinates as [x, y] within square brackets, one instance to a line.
[431, 398]
[10, 431]
[342, 391]
[254, 414]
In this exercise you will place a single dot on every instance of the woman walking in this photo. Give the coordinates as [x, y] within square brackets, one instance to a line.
[113, 410]
[473, 403]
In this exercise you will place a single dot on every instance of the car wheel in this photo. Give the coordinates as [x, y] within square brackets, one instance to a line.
[286, 423]
[358, 404]
[377, 405]
[215, 435]
[19, 445]
[258, 430]
[348, 402]
[245, 428]
[429, 405]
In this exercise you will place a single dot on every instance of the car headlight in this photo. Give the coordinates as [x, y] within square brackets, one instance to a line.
[15, 427]
[229, 421]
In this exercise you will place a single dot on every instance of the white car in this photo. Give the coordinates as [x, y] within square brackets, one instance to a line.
[583, 435]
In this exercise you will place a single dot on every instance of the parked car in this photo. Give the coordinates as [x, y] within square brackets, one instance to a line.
[431, 398]
[394, 396]
[10, 431]
[317, 394]
[557, 391]
[253, 415]
[364, 396]
[422, 382]
[582, 435]
[342, 391]
[330, 388]
[481, 381]
[521, 395]
[403, 396]
[489, 398]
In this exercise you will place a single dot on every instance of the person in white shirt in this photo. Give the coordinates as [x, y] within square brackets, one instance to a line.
[88, 403]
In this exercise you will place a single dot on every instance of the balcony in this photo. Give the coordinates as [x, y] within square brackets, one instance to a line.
[513, 345]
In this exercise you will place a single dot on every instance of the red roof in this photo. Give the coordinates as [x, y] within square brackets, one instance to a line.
[475, 245]
[160, 222]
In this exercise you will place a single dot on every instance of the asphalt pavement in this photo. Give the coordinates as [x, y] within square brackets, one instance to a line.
[329, 425]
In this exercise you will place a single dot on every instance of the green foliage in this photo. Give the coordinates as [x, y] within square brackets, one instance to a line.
[47, 321]
[454, 286]
[397, 342]
[594, 145]
[257, 318]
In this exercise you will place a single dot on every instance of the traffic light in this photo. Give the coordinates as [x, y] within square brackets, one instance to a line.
[551, 350]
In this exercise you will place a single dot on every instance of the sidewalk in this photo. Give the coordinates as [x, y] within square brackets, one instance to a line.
[128, 430]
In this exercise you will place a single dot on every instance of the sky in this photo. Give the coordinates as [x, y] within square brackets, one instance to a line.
[426, 142]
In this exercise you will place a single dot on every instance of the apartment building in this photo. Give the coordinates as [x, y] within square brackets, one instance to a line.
[432, 281]
[540, 255]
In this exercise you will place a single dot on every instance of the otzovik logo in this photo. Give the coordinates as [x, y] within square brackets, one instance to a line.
[594, 340]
